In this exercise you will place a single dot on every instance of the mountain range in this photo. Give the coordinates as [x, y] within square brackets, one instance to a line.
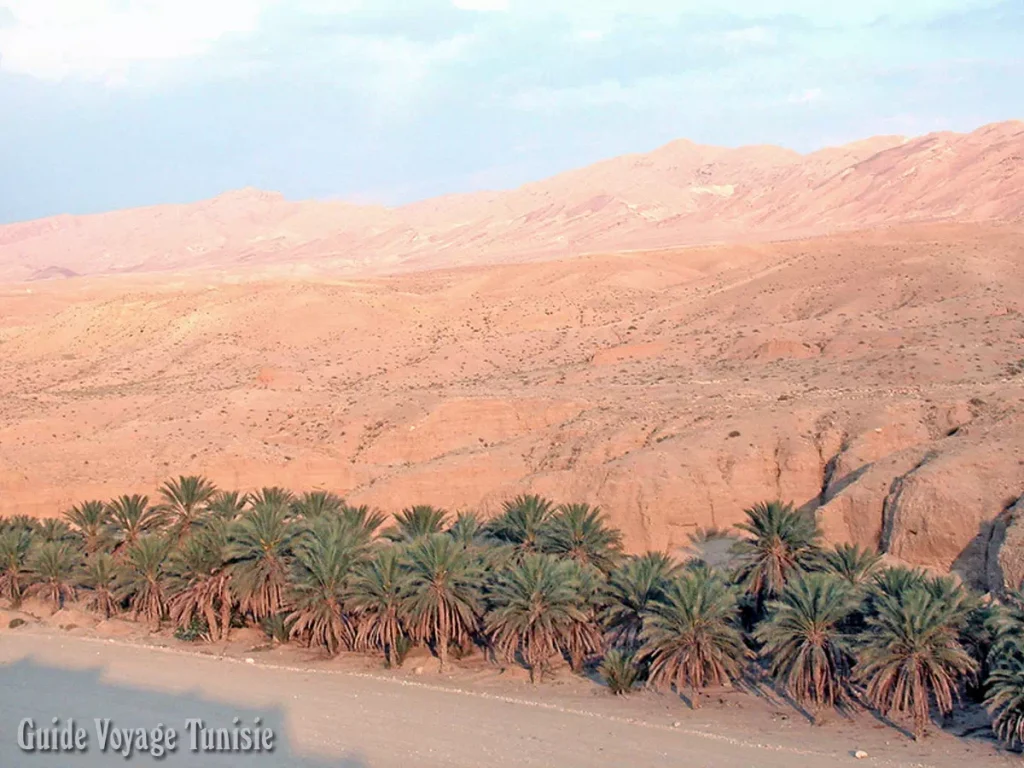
[680, 194]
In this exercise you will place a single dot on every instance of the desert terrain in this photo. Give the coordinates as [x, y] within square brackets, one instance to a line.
[873, 371]
[672, 336]
[874, 376]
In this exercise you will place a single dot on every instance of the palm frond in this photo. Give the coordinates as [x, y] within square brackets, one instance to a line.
[581, 533]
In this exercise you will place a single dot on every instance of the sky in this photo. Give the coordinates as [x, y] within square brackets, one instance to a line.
[107, 104]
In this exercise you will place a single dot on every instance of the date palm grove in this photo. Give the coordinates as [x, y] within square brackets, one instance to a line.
[539, 584]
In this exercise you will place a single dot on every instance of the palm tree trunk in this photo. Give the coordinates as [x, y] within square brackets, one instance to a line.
[442, 638]
[211, 622]
[225, 618]
[695, 697]
[920, 693]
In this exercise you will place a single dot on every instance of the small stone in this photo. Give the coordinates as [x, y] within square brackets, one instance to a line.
[860, 754]
[250, 660]
[676, 724]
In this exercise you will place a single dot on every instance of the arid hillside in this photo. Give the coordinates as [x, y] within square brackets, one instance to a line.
[877, 377]
[681, 194]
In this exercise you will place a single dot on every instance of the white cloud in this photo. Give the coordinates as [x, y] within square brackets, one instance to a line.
[862, 12]
[751, 36]
[395, 73]
[482, 5]
[102, 39]
[806, 97]
[639, 95]
[107, 40]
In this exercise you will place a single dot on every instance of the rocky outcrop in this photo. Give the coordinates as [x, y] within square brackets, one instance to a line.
[940, 513]
[1005, 551]
[872, 378]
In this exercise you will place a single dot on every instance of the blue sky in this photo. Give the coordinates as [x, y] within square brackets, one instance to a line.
[113, 103]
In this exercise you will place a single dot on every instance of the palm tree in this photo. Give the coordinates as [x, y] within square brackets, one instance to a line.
[185, 502]
[53, 568]
[631, 589]
[14, 548]
[363, 520]
[98, 578]
[469, 530]
[581, 533]
[910, 654]
[1006, 626]
[199, 580]
[91, 519]
[324, 562]
[442, 596]
[375, 597]
[522, 523]
[896, 580]
[853, 563]
[1004, 701]
[584, 638]
[960, 601]
[53, 530]
[781, 541]
[140, 578]
[415, 523]
[260, 554]
[25, 523]
[227, 505]
[690, 634]
[803, 639]
[314, 504]
[130, 517]
[534, 606]
[272, 497]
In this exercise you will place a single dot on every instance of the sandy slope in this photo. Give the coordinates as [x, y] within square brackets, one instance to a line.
[681, 193]
[875, 376]
[371, 719]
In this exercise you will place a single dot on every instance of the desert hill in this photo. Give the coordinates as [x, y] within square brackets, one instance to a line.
[680, 194]
[876, 376]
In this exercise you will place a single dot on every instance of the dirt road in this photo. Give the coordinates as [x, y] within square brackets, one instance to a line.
[347, 719]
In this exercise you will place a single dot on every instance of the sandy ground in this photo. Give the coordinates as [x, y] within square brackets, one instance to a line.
[344, 712]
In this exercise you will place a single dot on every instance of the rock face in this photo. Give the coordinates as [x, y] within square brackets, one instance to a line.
[1005, 555]
[941, 512]
[871, 377]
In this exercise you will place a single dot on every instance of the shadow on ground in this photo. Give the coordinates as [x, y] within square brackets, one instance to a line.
[40, 692]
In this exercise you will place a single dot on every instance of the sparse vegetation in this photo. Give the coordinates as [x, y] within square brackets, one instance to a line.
[619, 671]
